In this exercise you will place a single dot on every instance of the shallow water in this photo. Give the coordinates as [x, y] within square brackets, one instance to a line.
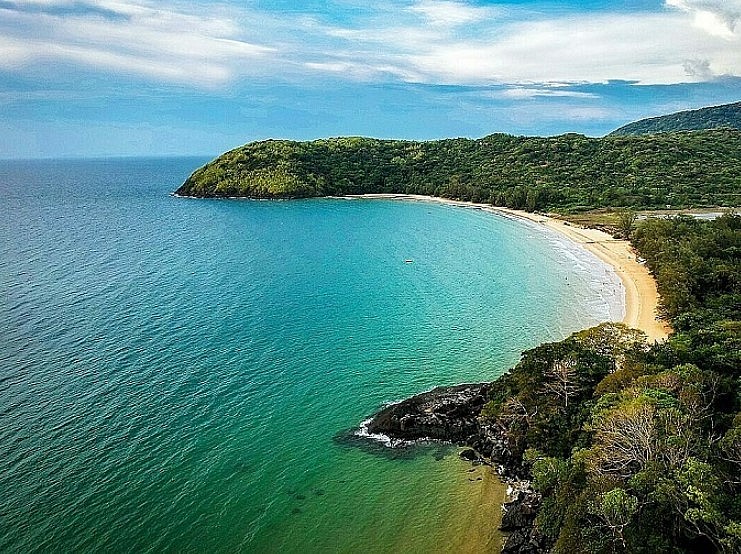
[178, 374]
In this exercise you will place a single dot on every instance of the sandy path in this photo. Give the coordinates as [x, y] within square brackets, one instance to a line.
[641, 296]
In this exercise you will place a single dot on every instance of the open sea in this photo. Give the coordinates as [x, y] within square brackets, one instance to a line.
[182, 375]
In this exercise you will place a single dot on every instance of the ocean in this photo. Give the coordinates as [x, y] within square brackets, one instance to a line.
[185, 375]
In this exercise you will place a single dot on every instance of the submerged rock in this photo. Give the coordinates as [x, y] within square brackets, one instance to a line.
[469, 455]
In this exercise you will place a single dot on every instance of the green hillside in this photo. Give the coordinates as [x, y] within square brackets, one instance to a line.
[565, 173]
[715, 117]
[641, 453]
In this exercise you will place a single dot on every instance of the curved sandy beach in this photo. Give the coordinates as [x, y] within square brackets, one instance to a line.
[479, 532]
[641, 296]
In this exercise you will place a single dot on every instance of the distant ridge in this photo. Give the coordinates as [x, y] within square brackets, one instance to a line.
[714, 117]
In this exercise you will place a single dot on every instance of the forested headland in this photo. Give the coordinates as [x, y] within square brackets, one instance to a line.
[636, 447]
[566, 173]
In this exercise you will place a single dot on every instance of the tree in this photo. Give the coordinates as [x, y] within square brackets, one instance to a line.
[531, 200]
[616, 509]
[626, 219]
[562, 380]
[730, 448]
[625, 437]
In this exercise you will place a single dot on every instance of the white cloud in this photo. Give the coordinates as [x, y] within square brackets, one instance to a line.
[658, 48]
[362, 71]
[423, 41]
[449, 13]
[159, 41]
[716, 17]
[521, 93]
[698, 68]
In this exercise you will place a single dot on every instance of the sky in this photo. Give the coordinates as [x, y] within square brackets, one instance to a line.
[97, 78]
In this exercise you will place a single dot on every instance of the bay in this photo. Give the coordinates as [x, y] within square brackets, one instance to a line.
[181, 375]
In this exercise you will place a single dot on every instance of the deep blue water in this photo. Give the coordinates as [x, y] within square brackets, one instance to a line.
[174, 372]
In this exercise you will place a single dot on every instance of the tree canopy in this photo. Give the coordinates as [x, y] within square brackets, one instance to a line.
[637, 447]
[565, 173]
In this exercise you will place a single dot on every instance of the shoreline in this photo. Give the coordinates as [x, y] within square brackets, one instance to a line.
[640, 304]
[641, 296]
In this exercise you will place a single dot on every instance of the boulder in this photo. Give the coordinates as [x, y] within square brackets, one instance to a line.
[469, 455]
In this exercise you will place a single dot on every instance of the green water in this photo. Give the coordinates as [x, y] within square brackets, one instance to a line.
[180, 375]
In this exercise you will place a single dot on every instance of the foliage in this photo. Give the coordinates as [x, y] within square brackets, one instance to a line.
[625, 222]
[544, 401]
[616, 509]
[715, 117]
[565, 173]
[697, 266]
[636, 447]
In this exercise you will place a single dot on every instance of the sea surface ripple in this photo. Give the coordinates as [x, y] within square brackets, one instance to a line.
[177, 374]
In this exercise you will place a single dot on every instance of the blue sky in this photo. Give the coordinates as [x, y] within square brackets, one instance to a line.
[142, 77]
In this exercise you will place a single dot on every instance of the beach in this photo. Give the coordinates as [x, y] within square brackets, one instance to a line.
[479, 531]
[641, 295]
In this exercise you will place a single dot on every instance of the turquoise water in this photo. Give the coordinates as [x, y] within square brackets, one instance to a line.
[178, 374]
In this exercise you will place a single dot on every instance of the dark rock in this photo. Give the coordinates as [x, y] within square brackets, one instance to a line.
[445, 413]
[469, 454]
[300, 497]
[525, 541]
[516, 517]
[515, 542]
[520, 512]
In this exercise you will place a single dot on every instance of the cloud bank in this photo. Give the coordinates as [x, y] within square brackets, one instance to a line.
[152, 40]
[420, 41]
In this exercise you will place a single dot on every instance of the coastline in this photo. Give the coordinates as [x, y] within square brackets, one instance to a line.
[479, 530]
[641, 295]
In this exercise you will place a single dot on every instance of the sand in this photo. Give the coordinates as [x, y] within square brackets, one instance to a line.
[480, 512]
[478, 528]
[472, 526]
[641, 296]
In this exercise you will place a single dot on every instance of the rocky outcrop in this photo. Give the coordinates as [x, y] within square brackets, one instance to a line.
[452, 414]
[519, 521]
[445, 413]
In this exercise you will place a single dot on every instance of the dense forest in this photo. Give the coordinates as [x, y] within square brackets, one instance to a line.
[715, 117]
[637, 447]
[565, 173]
